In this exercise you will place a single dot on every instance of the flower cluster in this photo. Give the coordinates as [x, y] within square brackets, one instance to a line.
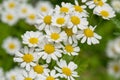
[59, 32]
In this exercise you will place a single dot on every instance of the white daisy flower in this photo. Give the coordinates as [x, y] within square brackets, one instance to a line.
[105, 11]
[44, 7]
[2, 77]
[59, 20]
[77, 22]
[95, 3]
[11, 45]
[9, 17]
[117, 45]
[44, 21]
[71, 49]
[67, 71]
[89, 35]
[116, 5]
[56, 35]
[114, 69]
[32, 39]
[49, 51]
[51, 75]
[26, 57]
[66, 8]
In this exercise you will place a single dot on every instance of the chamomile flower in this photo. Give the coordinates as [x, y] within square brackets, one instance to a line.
[71, 49]
[117, 45]
[44, 7]
[59, 20]
[77, 22]
[44, 21]
[11, 45]
[32, 39]
[56, 35]
[114, 69]
[49, 50]
[51, 75]
[26, 57]
[9, 17]
[67, 71]
[66, 8]
[89, 36]
[106, 12]
[2, 77]
[116, 5]
[95, 3]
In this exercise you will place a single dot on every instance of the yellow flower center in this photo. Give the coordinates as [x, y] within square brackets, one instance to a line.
[11, 5]
[69, 48]
[68, 31]
[43, 9]
[28, 78]
[60, 21]
[116, 68]
[75, 20]
[28, 58]
[104, 13]
[64, 9]
[24, 10]
[50, 78]
[32, 16]
[12, 46]
[49, 48]
[47, 19]
[33, 40]
[13, 77]
[88, 33]
[55, 36]
[99, 2]
[66, 71]
[78, 8]
[39, 69]
[10, 17]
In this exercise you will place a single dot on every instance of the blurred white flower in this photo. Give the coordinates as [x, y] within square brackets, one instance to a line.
[116, 5]
[2, 76]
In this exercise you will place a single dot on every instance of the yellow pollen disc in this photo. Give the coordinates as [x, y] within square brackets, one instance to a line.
[47, 19]
[55, 36]
[68, 31]
[49, 48]
[28, 58]
[116, 68]
[50, 78]
[13, 78]
[75, 20]
[11, 5]
[104, 13]
[78, 8]
[99, 2]
[9, 17]
[43, 9]
[69, 48]
[33, 40]
[88, 33]
[12, 46]
[64, 9]
[24, 10]
[66, 71]
[60, 21]
[28, 78]
[32, 16]
[38, 69]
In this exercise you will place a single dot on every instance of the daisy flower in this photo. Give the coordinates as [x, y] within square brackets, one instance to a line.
[66, 8]
[49, 51]
[2, 77]
[117, 46]
[11, 45]
[71, 49]
[116, 5]
[44, 21]
[26, 57]
[56, 35]
[44, 7]
[51, 75]
[77, 22]
[9, 17]
[89, 35]
[67, 71]
[32, 39]
[106, 12]
[114, 69]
